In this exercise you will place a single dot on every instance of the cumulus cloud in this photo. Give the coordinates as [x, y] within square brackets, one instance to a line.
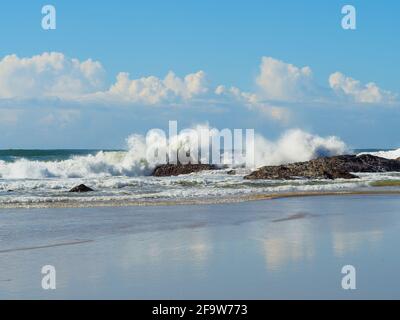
[53, 75]
[279, 80]
[253, 102]
[355, 90]
[283, 81]
[57, 76]
[153, 90]
[48, 75]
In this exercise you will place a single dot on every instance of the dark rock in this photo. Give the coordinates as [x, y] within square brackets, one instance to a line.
[81, 188]
[338, 167]
[231, 172]
[167, 170]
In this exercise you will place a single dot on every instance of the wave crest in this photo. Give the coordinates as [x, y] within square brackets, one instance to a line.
[293, 146]
[393, 154]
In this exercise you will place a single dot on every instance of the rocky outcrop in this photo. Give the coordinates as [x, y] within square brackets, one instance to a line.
[338, 167]
[167, 170]
[81, 188]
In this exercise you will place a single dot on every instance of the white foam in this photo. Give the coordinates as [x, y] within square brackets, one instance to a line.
[296, 146]
[393, 154]
[293, 146]
[204, 185]
[101, 164]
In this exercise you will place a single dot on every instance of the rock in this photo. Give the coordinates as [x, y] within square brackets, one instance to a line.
[338, 167]
[231, 172]
[167, 170]
[81, 188]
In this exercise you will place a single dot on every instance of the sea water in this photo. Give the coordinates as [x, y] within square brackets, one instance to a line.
[44, 177]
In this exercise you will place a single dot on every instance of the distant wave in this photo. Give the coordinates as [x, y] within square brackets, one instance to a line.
[100, 165]
[393, 154]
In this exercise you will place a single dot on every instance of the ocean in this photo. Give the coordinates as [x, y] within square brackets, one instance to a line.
[44, 177]
[122, 241]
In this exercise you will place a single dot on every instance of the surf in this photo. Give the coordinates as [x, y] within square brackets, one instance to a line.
[294, 145]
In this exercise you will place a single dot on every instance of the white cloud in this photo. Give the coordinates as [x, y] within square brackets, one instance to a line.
[53, 75]
[368, 93]
[48, 75]
[253, 102]
[153, 90]
[283, 81]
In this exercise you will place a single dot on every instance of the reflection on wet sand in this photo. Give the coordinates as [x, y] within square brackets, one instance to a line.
[289, 242]
[293, 238]
[344, 243]
[149, 249]
[287, 248]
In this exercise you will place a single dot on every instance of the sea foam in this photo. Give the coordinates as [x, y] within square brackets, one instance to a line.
[292, 146]
[393, 154]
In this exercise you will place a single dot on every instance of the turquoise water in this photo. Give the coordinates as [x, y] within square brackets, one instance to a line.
[287, 248]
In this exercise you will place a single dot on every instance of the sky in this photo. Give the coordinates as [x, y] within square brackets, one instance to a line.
[114, 68]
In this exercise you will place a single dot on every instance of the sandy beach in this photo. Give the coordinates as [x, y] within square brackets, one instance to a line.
[268, 249]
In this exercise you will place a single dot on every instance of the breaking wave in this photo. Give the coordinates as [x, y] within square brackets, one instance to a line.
[393, 154]
[294, 145]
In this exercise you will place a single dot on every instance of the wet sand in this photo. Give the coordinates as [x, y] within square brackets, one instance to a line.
[269, 249]
[199, 201]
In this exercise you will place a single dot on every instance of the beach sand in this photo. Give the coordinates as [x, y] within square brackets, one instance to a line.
[268, 249]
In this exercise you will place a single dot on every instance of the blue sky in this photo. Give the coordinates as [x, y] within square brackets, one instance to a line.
[226, 40]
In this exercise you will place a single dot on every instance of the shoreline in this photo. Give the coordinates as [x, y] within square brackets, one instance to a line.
[167, 203]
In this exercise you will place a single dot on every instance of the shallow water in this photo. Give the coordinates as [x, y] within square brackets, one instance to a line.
[284, 248]
[43, 178]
